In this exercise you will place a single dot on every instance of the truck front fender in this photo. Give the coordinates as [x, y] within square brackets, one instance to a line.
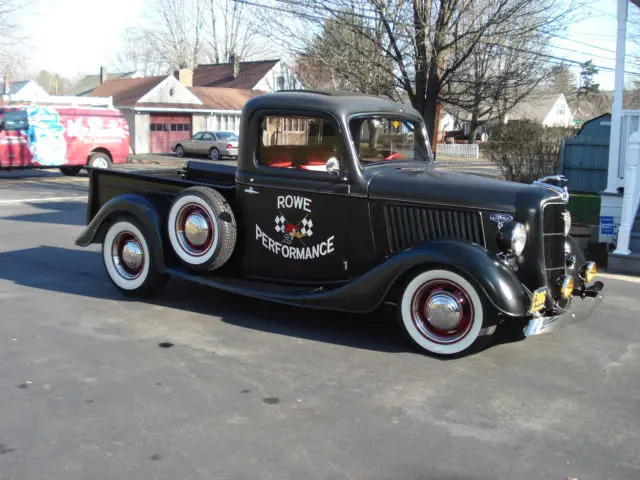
[499, 284]
[136, 206]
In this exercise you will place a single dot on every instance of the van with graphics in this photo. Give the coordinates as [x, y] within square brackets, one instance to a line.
[65, 133]
[336, 204]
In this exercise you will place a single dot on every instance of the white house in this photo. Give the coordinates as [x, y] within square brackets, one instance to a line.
[23, 91]
[163, 109]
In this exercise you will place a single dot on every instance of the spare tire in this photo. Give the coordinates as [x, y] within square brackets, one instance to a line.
[202, 228]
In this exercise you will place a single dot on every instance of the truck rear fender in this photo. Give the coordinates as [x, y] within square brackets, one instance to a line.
[137, 206]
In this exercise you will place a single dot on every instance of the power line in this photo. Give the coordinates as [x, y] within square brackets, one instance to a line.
[579, 42]
[555, 58]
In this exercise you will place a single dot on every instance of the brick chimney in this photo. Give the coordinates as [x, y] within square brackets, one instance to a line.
[7, 84]
[235, 65]
[184, 76]
[103, 75]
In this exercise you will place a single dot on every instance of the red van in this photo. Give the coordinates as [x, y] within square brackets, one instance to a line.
[68, 137]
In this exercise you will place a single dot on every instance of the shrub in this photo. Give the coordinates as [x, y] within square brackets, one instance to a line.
[525, 150]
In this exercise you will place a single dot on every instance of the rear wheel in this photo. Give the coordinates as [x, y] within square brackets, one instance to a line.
[128, 259]
[202, 228]
[100, 160]
[70, 171]
[214, 154]
[443, 314]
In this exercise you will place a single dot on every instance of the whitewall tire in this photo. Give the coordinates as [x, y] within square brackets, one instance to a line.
[202, 228]
[443, 314]
[128, 259]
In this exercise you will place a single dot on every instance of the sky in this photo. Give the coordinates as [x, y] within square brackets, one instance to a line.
[73, 37]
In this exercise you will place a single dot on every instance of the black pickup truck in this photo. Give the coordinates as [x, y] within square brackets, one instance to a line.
[336, 204]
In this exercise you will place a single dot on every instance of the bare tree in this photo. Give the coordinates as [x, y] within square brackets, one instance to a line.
[185, 33]
[427, 41]
[11, 38]
[326, 63]
[232, 30]
[137, 55]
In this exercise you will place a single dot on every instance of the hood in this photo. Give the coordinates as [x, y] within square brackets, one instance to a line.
[428, 185]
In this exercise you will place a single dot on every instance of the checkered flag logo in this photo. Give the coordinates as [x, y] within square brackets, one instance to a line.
[280, 221]
[307, 226]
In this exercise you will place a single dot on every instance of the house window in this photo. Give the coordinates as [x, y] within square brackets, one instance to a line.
[280, 82]
[561, 109]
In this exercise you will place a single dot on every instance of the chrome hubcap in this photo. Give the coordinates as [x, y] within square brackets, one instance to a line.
[132, 255]
[443, 311]
[196, 229]
[127, 255]
[100, 163]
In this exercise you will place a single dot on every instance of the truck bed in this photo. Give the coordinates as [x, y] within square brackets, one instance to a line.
[166, 182]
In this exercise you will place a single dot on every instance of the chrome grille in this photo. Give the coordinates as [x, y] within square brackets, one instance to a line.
[408, 226]
[553, 243]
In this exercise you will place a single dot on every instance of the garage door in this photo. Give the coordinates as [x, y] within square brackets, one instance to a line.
[166, 129]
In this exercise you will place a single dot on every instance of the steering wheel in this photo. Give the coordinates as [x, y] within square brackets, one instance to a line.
[394, 156]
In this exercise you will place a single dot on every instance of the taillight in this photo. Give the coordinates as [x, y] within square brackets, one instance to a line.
[229, 145]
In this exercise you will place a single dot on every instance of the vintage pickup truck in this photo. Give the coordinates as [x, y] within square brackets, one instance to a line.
[336, 204]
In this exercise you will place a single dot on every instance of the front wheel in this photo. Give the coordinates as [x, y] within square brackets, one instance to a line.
[180, 151]
[443, 314]
[128, 259]
[100, 160]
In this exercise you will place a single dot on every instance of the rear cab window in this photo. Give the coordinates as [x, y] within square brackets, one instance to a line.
[298, 142]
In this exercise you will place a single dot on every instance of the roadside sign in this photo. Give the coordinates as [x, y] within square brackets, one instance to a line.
[606, 225]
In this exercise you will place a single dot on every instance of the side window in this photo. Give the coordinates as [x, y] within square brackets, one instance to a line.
[298, 142]
[208, 137]
[198, 136]
[15, 120]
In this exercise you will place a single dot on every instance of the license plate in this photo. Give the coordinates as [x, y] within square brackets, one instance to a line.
[539, 299]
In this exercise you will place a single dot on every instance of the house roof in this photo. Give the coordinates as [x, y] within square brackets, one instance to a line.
[224, 98]
[221, 74]
[126, 91]
[14, 87]
[89, 82]
[535, 107]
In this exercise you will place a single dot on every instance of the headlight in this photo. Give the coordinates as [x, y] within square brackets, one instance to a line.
[513, 237]
[567, 222]
[566, 286]
[588, 272]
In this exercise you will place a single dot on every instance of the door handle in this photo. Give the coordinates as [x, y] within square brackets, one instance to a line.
[251, 191]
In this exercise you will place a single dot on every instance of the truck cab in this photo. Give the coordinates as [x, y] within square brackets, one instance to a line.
[336, 204]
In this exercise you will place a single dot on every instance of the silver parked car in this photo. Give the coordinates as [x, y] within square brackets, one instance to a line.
[213, 144]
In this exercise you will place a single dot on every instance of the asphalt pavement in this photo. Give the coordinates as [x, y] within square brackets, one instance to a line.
[198, 384]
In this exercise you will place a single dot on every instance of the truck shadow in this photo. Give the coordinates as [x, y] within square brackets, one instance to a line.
[81, 272]
[58, 213]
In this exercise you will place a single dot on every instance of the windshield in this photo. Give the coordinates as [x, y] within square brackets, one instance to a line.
[227, 136]
[384, 139]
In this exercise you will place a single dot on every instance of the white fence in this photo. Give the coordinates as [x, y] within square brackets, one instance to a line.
[467, 150]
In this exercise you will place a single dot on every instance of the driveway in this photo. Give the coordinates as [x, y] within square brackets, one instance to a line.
[198, 384]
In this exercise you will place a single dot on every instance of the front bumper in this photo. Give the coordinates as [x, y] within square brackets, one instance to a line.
[582, 307]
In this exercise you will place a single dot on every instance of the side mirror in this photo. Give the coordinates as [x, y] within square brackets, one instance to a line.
[333, 166]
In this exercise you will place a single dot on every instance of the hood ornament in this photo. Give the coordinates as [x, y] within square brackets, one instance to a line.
[560, 190]
[501, 218]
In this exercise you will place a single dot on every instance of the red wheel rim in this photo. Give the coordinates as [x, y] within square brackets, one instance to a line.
[185, 213]
[456, 295]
